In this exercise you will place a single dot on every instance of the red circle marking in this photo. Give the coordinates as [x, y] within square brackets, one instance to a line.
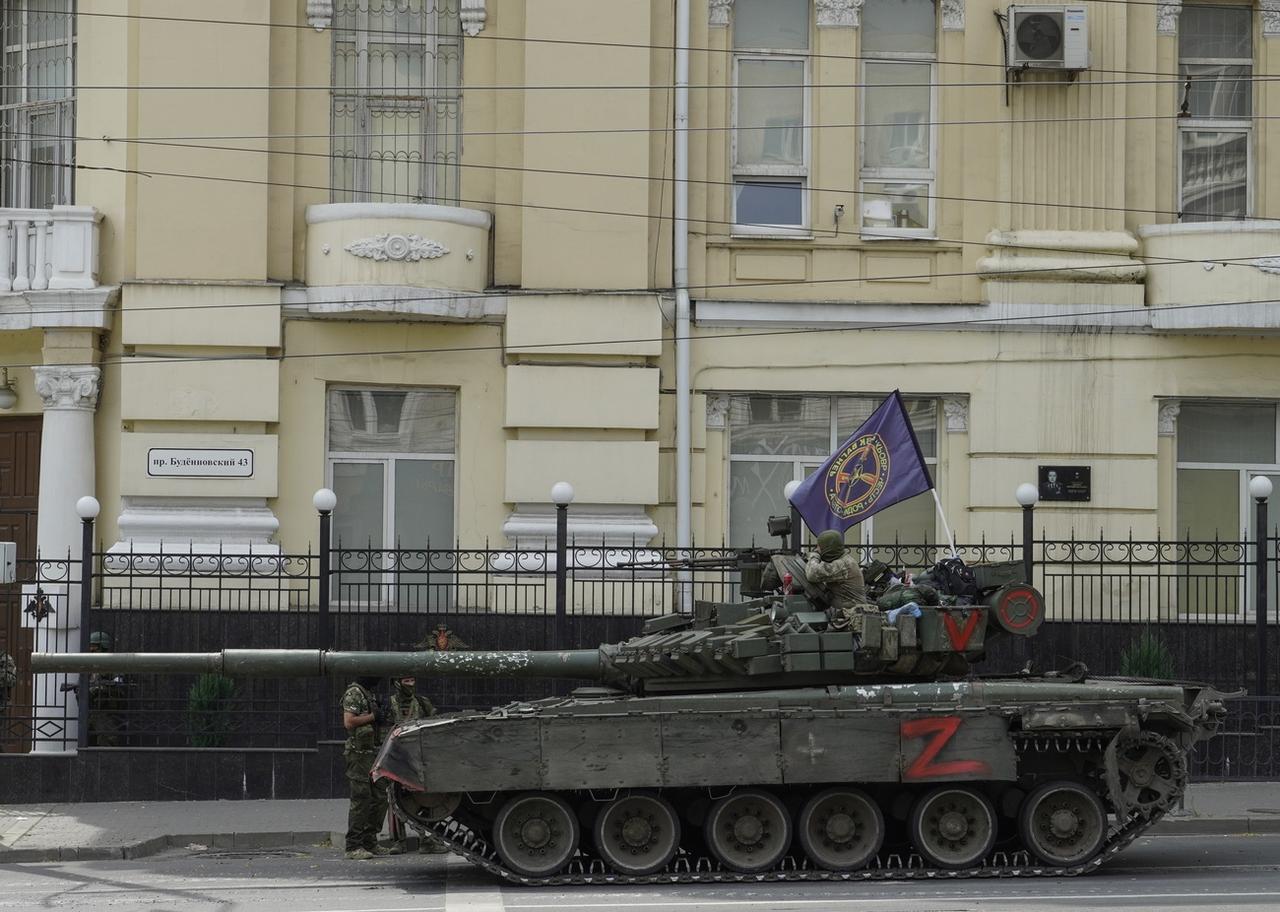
[1027, 594]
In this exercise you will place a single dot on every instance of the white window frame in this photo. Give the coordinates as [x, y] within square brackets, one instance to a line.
[1219, 125]
[801, 463]
[18, 117]
[927, 176]
[1245, 507]
[765, 174]
[387, 460]
[364, 104]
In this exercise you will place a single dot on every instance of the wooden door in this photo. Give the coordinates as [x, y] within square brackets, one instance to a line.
[19, 494]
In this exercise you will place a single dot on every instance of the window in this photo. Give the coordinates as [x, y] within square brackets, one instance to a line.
[391, 459]
[1215, 52]
[899, 46]
[396, 101]
[770, 141]
[1221, 445]
[777, 439]
[38, 110]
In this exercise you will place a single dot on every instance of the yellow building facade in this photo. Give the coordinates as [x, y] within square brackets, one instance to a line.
[421, 252]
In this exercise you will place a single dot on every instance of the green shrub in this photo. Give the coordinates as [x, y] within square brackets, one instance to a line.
[209, 711]
[1147, 657]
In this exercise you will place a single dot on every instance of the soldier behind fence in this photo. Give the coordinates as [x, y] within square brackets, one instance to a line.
[406, 704]
[106, 700]
[363, 717]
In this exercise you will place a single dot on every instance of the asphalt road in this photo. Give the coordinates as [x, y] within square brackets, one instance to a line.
[1218, 873]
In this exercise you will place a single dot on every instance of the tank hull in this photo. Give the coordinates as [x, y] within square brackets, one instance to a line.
[995, 743]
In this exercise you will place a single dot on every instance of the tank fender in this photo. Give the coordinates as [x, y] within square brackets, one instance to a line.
[1079, 716]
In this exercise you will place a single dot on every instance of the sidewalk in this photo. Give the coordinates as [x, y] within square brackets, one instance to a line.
[67, 832]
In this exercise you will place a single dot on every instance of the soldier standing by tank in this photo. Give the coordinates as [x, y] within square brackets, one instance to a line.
[406, 705]
[106, 700]
[835, 569]
[362, 717]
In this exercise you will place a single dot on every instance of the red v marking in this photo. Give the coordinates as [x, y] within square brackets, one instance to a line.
[960, 638]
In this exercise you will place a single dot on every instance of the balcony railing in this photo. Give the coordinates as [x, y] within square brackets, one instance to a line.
[49, 249]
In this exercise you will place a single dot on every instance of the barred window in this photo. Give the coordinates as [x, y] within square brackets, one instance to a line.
[397, 74]
[37, 117]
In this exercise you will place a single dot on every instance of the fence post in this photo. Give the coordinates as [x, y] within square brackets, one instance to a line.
[1260, 489]
[87, 508]
[561, 496]
[324, 501]
[1027, 495]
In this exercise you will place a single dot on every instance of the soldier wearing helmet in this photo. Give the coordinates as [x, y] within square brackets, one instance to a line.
[834, 569]
[106, 699]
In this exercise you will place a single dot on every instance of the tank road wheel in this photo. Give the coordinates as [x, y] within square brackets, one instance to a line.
[841, 829]
[1063, 823]
[536, 834]
[953, 827]
[638, 834]
[1153, 773]
[748, 831]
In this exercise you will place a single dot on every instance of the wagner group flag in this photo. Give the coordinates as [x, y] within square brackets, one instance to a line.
[878, 466]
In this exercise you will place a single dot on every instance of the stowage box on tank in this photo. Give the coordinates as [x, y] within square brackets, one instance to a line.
[778, 738]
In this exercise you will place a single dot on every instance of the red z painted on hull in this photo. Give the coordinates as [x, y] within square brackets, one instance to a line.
[939, 730]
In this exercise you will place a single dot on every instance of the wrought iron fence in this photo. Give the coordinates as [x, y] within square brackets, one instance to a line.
[1183, 609]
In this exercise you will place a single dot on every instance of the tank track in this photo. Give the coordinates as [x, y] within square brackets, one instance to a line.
[687, 869]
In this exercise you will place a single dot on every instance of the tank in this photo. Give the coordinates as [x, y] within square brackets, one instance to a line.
[776, 738]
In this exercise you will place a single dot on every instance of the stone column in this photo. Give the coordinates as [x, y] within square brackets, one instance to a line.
[70, 396]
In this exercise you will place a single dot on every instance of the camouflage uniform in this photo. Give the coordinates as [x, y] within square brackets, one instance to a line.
[368, 804]
[107, 695]
[8, 677]
[835, 569]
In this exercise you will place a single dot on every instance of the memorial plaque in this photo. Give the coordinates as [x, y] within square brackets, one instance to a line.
[1065, 483]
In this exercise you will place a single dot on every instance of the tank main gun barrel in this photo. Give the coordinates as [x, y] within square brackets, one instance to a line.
[290, 663]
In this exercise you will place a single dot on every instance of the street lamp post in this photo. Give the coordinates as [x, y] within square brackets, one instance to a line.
[1260, 489]
[87, 508]
[1027, 495]
[561, 496]
[324, 501]
[797, 530]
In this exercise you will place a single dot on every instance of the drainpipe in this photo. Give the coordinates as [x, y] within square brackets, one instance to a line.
[680, 269]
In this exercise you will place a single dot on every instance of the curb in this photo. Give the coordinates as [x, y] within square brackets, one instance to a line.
[1215, 826]
[158, 844]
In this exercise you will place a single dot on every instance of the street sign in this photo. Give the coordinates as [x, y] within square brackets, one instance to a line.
[166, 462]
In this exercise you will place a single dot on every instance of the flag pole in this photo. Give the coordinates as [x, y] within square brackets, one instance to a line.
[951, 542]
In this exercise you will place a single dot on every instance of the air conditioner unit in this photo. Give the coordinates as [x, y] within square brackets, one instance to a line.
[1048, 37]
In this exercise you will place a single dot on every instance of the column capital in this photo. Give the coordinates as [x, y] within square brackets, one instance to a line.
[1167, 422]
[717, 411]
[68, 388]
[956, 410]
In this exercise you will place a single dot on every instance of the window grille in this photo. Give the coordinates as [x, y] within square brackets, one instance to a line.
[397, 77]
[37, 116]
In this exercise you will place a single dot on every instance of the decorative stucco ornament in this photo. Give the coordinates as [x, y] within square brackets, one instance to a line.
[409, 248]
[1270, 10]
[717, 411]
[718, 13]
[61, 387]
[473, 16]
[320, 14]
[1270, 265]
[838, 13]
[952, 15]
[956, 409]
[1167, 12]
[1167, 421]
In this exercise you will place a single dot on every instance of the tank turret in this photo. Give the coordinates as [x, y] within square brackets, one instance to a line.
[776, 738]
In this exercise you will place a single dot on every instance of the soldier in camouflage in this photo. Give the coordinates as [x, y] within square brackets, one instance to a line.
[362, 717]
[107, 701]
[835, 570]
[8, 678]
[407, 704]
